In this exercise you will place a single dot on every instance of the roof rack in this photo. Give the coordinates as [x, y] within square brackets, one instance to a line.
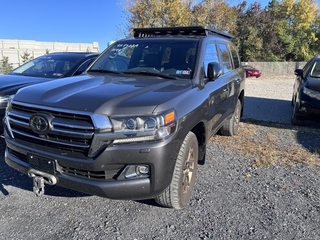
[179, 31]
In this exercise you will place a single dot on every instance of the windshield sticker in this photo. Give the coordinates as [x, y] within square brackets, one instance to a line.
[120, 45]
[183, 72]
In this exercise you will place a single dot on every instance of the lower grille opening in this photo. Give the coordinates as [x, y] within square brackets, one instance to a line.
[110, 174]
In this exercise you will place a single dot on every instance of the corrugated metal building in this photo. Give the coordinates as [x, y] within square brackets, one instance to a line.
[14, 49]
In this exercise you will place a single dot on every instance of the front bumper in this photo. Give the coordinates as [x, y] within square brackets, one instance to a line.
[308, 111]
[309, 107]
[80, 174]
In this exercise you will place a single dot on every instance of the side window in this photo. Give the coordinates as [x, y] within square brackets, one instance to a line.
[235, 56]
[306, 68]
[211, 55]
[225, 56]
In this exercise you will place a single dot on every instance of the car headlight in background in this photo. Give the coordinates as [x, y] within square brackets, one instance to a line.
[6, 118]
[311, 93]
[143, 128]
[4, 99]
[9, 102]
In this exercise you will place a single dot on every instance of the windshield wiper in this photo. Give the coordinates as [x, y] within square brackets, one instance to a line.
[162, 75]
[104, 71]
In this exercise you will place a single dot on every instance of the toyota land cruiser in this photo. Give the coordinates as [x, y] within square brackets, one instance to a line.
[136, 124]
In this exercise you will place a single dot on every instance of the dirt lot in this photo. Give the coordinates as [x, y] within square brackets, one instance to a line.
[262, 184]
[268, 104]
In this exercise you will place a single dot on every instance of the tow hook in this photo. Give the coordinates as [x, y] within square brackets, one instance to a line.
[38, 186]
[39, 179]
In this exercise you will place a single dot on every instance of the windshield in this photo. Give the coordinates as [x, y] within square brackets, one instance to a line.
[173, 58]
[50, 66]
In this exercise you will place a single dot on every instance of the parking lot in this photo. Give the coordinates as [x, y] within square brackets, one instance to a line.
[233, 199]
[268, 98]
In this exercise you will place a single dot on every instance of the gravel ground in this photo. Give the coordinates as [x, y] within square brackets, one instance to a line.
[267, 98]
[231, 200]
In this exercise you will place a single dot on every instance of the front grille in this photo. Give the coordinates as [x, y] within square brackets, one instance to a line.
[20, 156]
[69, 133]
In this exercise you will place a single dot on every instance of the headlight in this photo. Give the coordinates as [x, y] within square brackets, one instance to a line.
[311, 93]
[4, 99]
[143, 128]
[9, 102]
[6, 117]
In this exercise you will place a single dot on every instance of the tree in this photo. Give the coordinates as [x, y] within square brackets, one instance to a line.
[5, 66]
[295, 30]
[315, 45]
[214, 13]
[26, 57]
[161, 13]
[272, 47]
[248, 37]
[285, 30]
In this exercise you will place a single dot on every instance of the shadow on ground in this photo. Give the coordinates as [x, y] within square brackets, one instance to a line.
[265, 109]
[277, 113]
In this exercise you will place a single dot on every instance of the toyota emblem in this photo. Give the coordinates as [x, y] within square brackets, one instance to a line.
[39, 124]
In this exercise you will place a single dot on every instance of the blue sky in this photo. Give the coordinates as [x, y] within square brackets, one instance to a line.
[80, 21]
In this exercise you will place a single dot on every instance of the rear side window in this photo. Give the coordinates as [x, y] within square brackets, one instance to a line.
[235, 57]
[225, 57]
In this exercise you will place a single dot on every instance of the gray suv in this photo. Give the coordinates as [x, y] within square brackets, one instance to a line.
[136, 124]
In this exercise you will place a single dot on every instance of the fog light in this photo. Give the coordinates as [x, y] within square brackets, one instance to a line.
[134, 171]
[142, 170]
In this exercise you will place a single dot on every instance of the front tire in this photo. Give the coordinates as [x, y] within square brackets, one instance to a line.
[295, 120]
[177, 195]
[293, 100]
[231, 126]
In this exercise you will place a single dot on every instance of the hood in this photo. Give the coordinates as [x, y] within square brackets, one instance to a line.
[10, 84]
[104, 94]
[313, 83]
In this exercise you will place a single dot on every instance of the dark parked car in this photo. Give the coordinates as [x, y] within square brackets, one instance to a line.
[136, 125]
[306, 92]
[41, 69]
[251, 71]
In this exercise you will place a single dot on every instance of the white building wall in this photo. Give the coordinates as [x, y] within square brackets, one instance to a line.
[14, 49]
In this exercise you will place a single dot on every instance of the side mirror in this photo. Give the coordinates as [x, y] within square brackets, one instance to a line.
[214, 70]
[298, 72]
